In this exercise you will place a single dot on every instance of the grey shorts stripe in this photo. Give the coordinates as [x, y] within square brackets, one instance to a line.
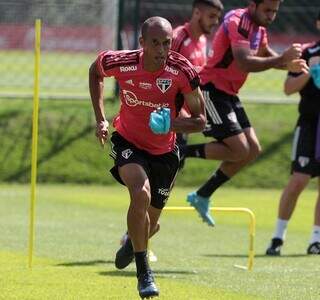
[295, 143]
[211, 109]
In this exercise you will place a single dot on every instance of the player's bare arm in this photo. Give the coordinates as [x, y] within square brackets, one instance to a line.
[96, 92]
[268, 59]
[295, 65]
[295, 84]
[197, 121]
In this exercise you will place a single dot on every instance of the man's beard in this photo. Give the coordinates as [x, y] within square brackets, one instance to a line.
[203, 29]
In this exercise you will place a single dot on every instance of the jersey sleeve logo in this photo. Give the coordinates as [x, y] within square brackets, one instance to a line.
[163, 84]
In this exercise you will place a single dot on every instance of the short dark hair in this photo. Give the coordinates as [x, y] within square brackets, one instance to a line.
[318, 16]
[257, 2]
[212, 3]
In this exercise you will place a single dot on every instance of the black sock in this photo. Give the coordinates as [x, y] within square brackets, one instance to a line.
[194, 151]
[141, 262]
[216, 180]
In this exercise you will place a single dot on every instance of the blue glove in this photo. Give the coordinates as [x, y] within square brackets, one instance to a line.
[160, 121]
[315, 74]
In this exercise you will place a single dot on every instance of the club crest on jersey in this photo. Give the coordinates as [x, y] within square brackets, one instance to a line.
[303, 161]
[163, 84]
[126, 153]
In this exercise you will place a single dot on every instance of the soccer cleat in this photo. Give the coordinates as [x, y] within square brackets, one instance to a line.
[201, 204]
[146, 286]
[275, 247]
[124, 255]
[314, 248]
[124, 239]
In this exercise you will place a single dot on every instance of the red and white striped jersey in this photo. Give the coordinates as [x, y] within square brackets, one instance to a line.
[141, 92]
[236, 30]
[192, 49]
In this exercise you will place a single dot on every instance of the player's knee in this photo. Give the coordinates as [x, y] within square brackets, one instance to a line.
[255, 151]
[140, 197]
[241, 152]
[297, 184]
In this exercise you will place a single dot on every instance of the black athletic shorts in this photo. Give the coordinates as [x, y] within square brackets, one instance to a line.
[303, 147]
[226, 116]
[160, 169]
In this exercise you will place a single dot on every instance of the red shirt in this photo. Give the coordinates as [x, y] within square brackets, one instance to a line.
[141, 92]
[237, 30]
[192, 49]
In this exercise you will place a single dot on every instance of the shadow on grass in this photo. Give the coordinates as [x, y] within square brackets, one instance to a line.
[274, 147]
[158, 273]
[60, 139]
[85, 263]
[256, 256]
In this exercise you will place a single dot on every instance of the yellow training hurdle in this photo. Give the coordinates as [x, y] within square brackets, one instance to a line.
[252, 227]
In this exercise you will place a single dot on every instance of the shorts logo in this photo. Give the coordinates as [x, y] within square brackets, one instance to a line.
[303, 161]
[128, 69]
[164, 192]
[126, 153]
[232, 117]
[163, 84]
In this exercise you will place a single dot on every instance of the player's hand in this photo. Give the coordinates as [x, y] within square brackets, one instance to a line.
[102, 131]
[160, 121]
[298, 66]
[315, 74]
[292, 53]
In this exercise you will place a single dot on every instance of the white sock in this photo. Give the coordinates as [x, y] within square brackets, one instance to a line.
[281, 229]
[315, 237]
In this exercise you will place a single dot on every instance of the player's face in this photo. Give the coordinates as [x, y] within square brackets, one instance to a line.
[208, 18]
[265, 13]
[156, 45]
[318, 24]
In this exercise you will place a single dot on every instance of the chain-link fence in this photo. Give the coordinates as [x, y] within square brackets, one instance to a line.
[294, 23]
[74, 31]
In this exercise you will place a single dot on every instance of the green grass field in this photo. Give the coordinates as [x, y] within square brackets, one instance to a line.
[78, 230]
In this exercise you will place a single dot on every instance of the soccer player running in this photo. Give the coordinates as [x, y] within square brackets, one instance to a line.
[143, 146]
[240, 46]
[306, 139]
[190, 41]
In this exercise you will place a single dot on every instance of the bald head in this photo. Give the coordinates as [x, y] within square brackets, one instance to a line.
[156, 39]
[154, 25]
